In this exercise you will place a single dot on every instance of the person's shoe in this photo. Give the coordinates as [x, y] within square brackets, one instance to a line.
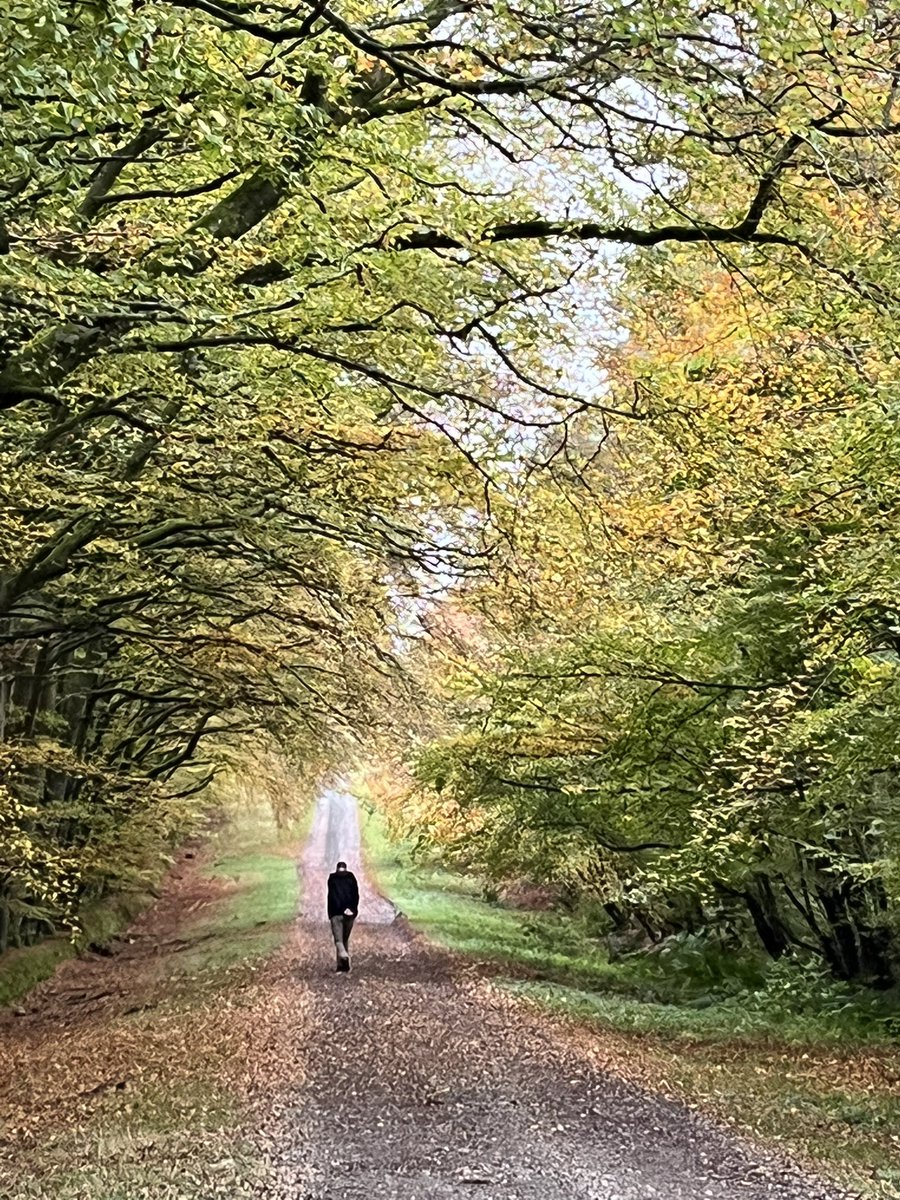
[344, 965]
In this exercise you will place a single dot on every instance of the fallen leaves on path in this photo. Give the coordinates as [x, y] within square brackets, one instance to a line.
[415, 1078]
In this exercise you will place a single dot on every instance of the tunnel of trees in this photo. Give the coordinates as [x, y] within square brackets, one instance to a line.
[505, 393]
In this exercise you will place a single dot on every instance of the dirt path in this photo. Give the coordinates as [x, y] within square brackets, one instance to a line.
[417, 1080]
[413, 1078]
[334, 837]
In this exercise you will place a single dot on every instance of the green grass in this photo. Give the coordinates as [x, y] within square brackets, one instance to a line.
[764, 1015]
[449, 908]
[688, 992]
[257, 863]
[21, 970]
[777, 1049]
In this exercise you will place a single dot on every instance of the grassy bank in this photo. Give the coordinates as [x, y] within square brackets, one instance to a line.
[775, 1049]
[254, 866]
[23, 969]
[238, 851]
[147, 1096]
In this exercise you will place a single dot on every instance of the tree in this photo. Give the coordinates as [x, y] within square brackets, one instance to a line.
[687, 703]
[285, 311]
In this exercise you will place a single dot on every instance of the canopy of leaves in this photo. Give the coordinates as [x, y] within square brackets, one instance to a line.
[294, 303]
[680, 692]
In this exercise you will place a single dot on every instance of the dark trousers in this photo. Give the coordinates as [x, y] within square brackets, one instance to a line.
[341, 927]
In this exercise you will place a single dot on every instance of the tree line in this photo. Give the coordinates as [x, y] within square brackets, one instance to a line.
[679, 697]
[289, 302]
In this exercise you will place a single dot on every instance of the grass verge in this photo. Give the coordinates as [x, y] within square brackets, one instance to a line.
[21, 970]
[143, 1094]
[255, 865]
[779, 1054]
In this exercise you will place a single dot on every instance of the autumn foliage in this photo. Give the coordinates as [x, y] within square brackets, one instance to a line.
[319, 322]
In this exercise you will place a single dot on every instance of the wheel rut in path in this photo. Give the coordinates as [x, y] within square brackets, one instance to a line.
[418, 1080]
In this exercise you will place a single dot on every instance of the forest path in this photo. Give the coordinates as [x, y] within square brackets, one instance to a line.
[416, 1079]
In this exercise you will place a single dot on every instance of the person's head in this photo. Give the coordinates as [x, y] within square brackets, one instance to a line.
[341, 868]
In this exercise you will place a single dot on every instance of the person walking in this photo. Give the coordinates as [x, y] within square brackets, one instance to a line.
[343, 908]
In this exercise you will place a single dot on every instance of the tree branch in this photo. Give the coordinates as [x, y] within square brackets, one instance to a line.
[167, 194]
[107, 174]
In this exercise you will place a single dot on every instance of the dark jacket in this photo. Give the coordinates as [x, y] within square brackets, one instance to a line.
[343, 893]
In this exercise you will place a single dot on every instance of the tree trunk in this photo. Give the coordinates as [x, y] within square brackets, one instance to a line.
[763, 908]
[853, 948]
